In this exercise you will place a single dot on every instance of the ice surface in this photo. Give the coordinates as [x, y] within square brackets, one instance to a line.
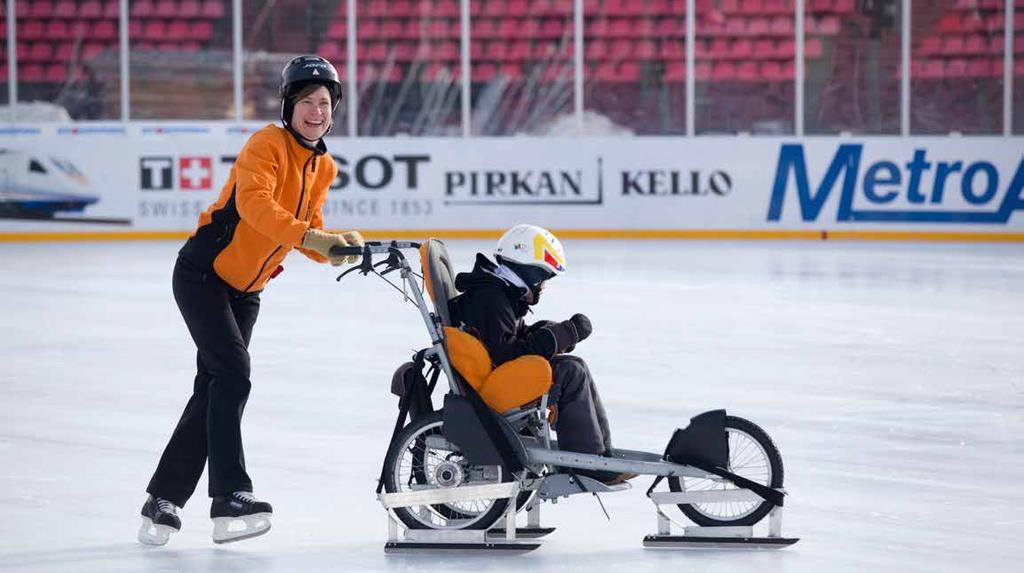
[890, 376]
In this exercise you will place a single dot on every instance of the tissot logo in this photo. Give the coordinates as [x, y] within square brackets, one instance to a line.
[187, 173]
[522, 187]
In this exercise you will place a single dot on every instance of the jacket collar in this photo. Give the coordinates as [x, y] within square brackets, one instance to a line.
[319, 149]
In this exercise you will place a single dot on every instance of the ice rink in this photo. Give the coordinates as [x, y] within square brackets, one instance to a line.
[891, 376]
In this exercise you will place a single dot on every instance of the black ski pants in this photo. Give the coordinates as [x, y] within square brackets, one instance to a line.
[220, 320]
[582, 423]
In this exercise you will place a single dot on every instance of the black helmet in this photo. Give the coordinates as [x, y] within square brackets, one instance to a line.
[302, 71]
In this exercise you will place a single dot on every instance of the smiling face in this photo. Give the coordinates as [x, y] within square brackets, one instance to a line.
[311, 117]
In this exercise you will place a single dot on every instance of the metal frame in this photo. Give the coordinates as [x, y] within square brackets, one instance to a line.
[701, 537]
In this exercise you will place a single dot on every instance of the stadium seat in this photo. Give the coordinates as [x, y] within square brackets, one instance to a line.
[63, 52]
[675, 72]
[178, 31]
[142, 9]
[189, 9]
[105, 30]
[166, 9]
[56, 73]
[723, 71]
[112, 9]
[31, 73]
[202, 31]
[673, 50]
[65, 9]
[213, 9]
[57, 30]
[91, 9]
[953, 45]
[42, 9]
[511, 72]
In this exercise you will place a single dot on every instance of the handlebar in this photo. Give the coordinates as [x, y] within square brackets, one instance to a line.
[374, 247]
[394, 261]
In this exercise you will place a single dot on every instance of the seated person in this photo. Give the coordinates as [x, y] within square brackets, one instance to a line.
[493, 301]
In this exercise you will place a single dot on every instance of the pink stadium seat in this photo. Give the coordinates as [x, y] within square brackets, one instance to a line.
[56, 73]
[629, 72]
[31, 73]
[483, 28]
[497, 50]
[202, 31]
[778, 7]
[736, 27]
[748, 72]
[374, 52]
[956, 68]
[389, 29]
[482, 72]
[953, 45]
[595, 50]
[517, 8]
[31, 30]
[758, 27]
[1018, 68]
[64, 52]
[330, 50]
[930, 70]
[764, 49]
[512, 72]
[719, 48]
[376, 8]
[368, 29]
[38, 9]
[105, 30]
[931, 46]
[155, 30]
[448, 51]
[596, 28]
[723, 71]
[671, 27]
[813, 48]
[41, 52]
[476, 50]
[620, 27]
[741, 49]
[645, 50]
[178, 30]
[673, 50]
[520, 51]
[338, 30]
[702, 71]
[783, 26]
[166, 9]
[142, 9]
[213, 9]
[975, 45]
[447, 9]
[189, 47]
[675, 72]
[621, 49]
[551, 28]
[65, 9]
[979, 68]
[57, 30]
[90, 9]
[494, 8]
[91, 49]
[751, 7]
[189, 9]
[772, 72]
[845, 6]
[786, 50]
[112, 9]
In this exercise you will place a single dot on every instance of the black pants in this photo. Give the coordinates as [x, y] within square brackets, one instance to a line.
[582, 423]
[220, 321]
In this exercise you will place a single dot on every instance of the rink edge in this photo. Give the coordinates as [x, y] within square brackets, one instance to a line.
[630, 234]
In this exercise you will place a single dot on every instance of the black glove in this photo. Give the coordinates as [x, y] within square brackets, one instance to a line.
[568, 332]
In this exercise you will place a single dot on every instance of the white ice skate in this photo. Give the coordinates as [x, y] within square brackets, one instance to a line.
[239, 516]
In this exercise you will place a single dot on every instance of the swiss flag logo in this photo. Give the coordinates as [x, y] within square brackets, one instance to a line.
[195, 173]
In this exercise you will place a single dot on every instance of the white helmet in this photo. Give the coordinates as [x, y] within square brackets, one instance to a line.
[532, 246]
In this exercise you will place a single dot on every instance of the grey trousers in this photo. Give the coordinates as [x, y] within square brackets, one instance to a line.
[582, 423]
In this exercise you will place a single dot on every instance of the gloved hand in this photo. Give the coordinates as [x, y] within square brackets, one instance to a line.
[321, 242]
[569, 332]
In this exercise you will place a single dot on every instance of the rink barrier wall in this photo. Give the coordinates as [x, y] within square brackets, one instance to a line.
[599, 234]
[148, 181]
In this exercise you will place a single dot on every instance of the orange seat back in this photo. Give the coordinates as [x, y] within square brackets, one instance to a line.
[511, 385]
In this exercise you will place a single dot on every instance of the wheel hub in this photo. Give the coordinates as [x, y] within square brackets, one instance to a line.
[449, 474]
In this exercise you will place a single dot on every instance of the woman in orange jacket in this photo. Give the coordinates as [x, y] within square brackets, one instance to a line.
[270, 204]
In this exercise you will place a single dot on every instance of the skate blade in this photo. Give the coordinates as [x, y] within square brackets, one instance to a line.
[152, 534]
[231, 529]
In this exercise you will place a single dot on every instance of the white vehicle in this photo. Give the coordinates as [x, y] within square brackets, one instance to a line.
[36, 185]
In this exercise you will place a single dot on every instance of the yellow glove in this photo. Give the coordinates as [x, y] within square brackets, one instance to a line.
[321, 242]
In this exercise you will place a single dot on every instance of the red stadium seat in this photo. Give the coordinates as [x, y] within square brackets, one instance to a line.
[166, 9]
[64, 52]
[772, 72]
[30, 73]
[202, 31]
[668, 26]
[65, 9]
[741, 49]
[390, 29]
[378, 8]
[764, 49]
[155, 30]
[751, 7]
[482, 72]
[483, 28]
[105, 30]
[621, 49]
[595, 50]
[953, 45]
[90, 9]
[645, 50]
[931, 46]
[520, 51]
[142, 9]
[723, 71]
[178, 30]
[517, 8]
[41, 52]
[956, 68]
[702, 71]
[673, 50]
[813, 48]
[213, 9]
[785, 50]
[497, 50]
[447, 9]
[975, 45]
[56, 73]
[759, 27]
[748, 72]
[512, 72]
[675, 72]
[37, 9]
[783, 26]
[112, 9]
[189, 9]
[57, 30]
[31, 30]
[338, 30]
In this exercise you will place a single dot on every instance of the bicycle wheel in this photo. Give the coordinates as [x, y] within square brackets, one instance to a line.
[752, 455]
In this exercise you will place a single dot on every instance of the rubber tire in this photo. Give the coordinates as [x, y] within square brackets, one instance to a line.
[395, 453]
[774, 461]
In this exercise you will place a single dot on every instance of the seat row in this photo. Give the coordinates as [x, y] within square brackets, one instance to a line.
[94, 9]
[107, 30]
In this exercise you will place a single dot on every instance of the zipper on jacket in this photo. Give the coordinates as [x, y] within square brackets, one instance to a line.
[298, 209]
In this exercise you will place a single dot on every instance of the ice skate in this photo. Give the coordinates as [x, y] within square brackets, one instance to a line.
[159, 520]
[239, 516]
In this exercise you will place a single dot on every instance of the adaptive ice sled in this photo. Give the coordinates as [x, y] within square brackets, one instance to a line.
[454, 477]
